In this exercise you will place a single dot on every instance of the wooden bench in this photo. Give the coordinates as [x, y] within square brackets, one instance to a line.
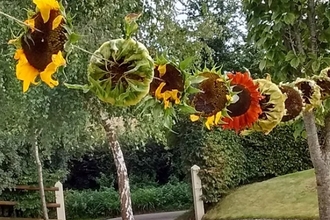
[59, 204]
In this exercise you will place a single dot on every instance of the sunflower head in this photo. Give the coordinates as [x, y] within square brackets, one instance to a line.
[42, 46]
[325, 72]
[120, 72]
[245, 108]
[168, 83]
[214, 96]
[294, 104]
[272, 106]
[324, 83]
[311, 93]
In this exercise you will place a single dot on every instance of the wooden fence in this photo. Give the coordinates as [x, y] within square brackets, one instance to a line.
[59, 201]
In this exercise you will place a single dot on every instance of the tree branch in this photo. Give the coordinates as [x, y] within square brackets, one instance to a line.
[312, 25]
[313, 140]
[327, 133]
[40, 176]
[298, 39]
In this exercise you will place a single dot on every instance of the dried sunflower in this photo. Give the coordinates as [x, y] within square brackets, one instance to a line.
[214, 96]
[121, 70]
[311, 93]
[42, 46]
[272, 106]
[245, 109]
[323, 81]
[294, 104]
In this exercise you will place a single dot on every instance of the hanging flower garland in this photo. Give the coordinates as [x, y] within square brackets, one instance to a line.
[294, 104]
[214, 96]
[42, 46]
[121, 70]
[245, 108]
[272, 106]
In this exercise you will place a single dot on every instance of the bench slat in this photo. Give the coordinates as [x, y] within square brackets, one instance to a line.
[9, 218]
[23, 187]
[13, 203]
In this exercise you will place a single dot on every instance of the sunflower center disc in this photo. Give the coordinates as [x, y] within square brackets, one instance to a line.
[293, 103]
[41, 44]
[172, 78]
[265, 106]
[325, 87]
[116, 72]
[306, 90]
[243, 103]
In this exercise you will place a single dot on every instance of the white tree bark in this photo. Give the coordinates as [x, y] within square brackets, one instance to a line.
[320, 159]
[123, 180]
[40, 176]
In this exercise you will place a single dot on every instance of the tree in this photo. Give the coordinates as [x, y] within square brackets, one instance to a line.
[294, 37]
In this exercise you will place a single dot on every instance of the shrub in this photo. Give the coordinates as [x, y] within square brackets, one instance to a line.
[228, 160]
[275, 154]
[105, 202]
[218, 153]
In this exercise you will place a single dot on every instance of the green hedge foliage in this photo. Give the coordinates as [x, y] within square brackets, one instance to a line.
[105, 202]
[228, 160]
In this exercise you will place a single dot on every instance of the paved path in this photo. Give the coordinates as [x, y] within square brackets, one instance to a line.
[157, 216]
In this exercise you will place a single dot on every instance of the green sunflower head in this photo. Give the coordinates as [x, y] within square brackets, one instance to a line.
[121, 70]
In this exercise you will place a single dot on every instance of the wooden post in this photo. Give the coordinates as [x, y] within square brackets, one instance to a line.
[59, 196]
[197, 193]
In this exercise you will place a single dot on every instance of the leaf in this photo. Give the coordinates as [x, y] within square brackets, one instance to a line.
[289, 18]
[295, 62]
[186, 63]
[326, 60]
[197, 79]
[289, 56]
[316, 66]
[262, 64]
[186, 109]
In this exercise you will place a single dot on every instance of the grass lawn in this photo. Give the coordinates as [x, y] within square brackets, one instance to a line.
[290, 196]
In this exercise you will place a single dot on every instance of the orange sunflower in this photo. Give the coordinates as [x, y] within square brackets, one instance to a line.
[245, 108]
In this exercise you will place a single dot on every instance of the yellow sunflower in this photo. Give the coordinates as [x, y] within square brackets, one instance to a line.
[167, 85]
[41, 47]
[311, 93]
[214, 96]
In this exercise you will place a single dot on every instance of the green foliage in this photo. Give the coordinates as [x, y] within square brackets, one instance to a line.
[292, 36]
[105, 202]
[275, 154]
[227, 160]
[219, 154]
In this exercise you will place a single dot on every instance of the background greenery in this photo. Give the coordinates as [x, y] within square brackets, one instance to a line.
[72, 146]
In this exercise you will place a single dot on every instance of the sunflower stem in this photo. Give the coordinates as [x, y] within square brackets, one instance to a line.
[17, 20]
[91, 53]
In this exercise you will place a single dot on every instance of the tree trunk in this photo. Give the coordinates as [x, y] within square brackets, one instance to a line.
[40, 177]
[320, 159]
[123, 180]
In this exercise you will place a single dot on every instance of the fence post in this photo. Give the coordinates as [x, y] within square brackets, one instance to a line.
[197, 192]
[59, 196]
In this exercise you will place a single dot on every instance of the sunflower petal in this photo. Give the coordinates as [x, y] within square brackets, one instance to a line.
[24, 71]
[162, 70]
[30, 23]
[57, 21]
[45, 6]
[194, 118]
[46, 75]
